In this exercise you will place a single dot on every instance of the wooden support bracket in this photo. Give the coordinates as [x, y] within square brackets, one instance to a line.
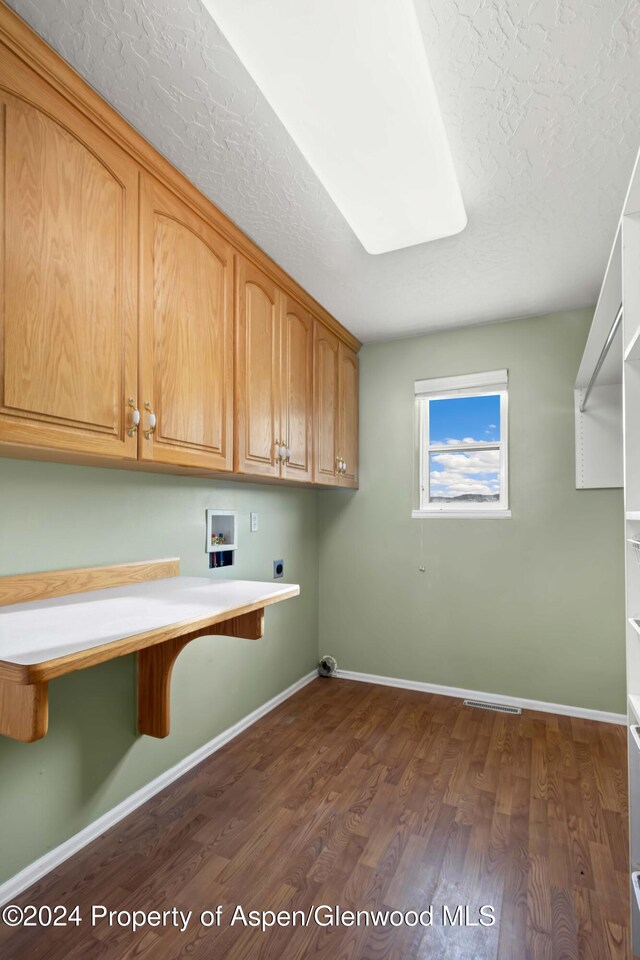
[24, 705]
[155, 665]
[24, 710]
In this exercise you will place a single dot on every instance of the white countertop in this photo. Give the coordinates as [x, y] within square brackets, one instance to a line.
[41, 630]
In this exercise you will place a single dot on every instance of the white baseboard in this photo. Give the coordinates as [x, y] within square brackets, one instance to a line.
[459, 692]
[35, 871]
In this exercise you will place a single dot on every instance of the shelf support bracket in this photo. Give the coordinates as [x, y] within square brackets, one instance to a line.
[24, 710]
[155, 666]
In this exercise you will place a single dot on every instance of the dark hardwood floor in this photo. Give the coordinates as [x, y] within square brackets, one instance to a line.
[368, 798]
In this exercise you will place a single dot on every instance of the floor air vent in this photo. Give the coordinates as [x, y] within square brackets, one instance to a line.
[499, 707]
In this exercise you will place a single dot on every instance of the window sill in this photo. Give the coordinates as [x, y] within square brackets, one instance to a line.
[489, 514]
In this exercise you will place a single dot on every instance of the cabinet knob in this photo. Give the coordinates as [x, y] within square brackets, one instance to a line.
[287, 454]
[135, 418]
[153, 421]
[279, 449]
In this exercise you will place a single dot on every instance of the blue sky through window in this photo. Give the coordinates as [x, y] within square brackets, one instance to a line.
[457, 474]
[464, 418]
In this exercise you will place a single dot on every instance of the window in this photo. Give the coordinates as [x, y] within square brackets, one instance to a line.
[461, 468]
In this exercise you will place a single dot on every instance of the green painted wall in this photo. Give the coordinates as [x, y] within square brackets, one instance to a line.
[529, 607]
[59, 516]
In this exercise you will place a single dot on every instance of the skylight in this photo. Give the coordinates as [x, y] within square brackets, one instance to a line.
[350, 81]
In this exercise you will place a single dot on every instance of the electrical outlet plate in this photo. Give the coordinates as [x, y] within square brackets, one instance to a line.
[254, 523]
[278, 569]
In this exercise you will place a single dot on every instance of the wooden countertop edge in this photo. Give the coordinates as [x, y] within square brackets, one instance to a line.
[49, 669]
[49, 584]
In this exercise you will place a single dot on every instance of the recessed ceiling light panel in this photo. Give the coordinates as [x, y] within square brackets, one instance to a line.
[349, 79]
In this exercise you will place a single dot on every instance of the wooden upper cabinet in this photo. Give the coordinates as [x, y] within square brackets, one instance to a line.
[258, 396]
[326, 349]
[348, 415]
[336, 411]
[186, 335]
[296, 420]
[68, 316]
[137, 321]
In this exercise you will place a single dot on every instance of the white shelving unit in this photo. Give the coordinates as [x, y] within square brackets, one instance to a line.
[599, 429]
[630, 231]
[632, 352]
[598, 422]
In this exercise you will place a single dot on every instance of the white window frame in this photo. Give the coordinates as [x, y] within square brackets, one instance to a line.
[491, 383]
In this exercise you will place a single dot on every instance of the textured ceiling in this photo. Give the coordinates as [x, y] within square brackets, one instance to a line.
[541, 101]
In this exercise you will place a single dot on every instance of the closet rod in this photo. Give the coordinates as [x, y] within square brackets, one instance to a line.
[602, 357]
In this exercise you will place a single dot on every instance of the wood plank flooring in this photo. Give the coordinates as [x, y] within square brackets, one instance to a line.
[367, 798]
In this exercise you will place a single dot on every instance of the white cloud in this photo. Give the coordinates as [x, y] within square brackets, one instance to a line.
[461, 487]
[452, 442]
[478, 461]
[466, 473]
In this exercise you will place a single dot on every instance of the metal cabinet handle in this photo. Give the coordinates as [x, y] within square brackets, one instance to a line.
[135, 418]
[280, 449]
[153, 421]
[287, 454]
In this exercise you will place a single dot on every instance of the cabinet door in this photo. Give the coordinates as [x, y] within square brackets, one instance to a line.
[296, 421]
[186, 335]
[348, 415]
[68, 308]
[326, 350]
[257, 430]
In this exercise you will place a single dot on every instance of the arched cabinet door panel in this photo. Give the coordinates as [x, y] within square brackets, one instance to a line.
[326, 349]
[186, 335]
[297, 390]
[348, 415]
[68, 245]
[336, 411]
[257, 433]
